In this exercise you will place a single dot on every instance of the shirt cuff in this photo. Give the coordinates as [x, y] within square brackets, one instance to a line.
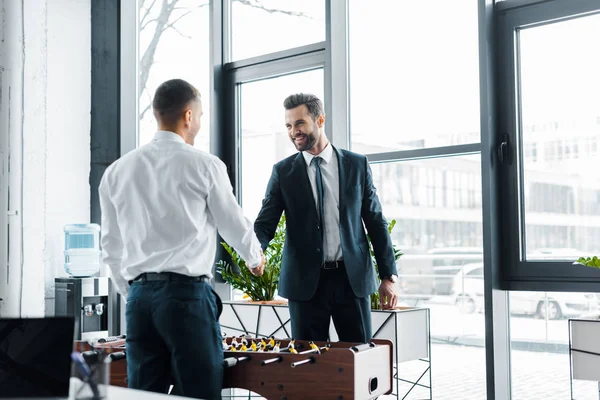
[255, 261]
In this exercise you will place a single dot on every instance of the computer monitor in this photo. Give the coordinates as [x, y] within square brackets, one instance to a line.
[35, 357]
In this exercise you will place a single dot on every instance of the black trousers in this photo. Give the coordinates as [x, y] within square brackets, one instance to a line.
[173, 336]
[334, 299]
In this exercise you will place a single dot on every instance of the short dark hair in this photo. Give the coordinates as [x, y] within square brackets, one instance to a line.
[312, 102]
[171, 98]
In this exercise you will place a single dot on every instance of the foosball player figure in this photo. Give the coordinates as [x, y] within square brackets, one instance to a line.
[292, 347]
[313, 346]
[263, 345]
[276, 348]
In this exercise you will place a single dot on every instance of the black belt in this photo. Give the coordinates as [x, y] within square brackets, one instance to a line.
[339, 264]
[168, 276]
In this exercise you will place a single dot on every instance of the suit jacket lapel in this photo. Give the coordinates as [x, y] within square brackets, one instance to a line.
[300, 176]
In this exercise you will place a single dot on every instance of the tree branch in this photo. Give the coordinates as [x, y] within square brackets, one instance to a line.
[171, 24]
[163, 22]
[178, 31]
[145, 24]
[147, 11]
[148, 58]
[149, 105]
[257, 4]
[145, 110]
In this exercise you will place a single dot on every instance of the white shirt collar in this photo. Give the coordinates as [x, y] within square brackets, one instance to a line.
[326, 155]
[168, 135]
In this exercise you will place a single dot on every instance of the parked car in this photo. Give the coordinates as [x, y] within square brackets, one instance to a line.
[448, 261]
[427, 274]
[467, 291]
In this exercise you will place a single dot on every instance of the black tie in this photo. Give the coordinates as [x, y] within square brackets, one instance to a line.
[317, 162]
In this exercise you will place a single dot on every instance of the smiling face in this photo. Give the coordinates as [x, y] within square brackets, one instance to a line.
[304, 131]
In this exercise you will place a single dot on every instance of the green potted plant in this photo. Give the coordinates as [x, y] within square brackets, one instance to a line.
[264, 288]
[257, 288]
[397, 255]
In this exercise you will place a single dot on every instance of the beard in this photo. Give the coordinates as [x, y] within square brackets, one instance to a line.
[306, 141]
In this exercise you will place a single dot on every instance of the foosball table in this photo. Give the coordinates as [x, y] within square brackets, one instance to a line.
[287, 369]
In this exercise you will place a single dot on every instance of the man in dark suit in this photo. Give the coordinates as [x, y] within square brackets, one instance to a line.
[326, 195]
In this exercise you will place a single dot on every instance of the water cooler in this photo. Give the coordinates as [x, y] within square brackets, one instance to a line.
[88, 298]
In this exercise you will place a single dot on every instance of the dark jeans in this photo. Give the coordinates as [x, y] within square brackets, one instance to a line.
[334, 299]
[173, 336]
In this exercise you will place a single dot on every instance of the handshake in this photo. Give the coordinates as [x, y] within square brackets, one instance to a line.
[260, 268]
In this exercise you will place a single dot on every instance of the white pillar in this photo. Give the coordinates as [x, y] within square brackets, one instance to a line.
[11, 120]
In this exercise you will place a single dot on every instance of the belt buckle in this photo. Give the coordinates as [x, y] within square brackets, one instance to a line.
[335, 263]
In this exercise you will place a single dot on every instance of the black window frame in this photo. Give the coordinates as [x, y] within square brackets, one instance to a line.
[517, 272]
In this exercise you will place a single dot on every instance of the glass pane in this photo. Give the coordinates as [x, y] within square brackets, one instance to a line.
[414, 74]
[560, 106]
[539, 335]
[267, 26]
[437, 207]
[174, 42]
[264, 138]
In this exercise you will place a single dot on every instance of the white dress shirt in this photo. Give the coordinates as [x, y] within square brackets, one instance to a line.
[162, 205]
[331, 199]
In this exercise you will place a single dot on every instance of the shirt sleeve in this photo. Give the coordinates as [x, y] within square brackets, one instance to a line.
[111, 241]
[235, 229]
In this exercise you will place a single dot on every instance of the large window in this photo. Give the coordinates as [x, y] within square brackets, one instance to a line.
[414, 78]
[437, 207]
[174, 42]
[560, 111]
[414, 109]
[260, 27]
[554, 187]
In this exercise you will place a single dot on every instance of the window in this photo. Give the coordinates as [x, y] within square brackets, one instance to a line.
[553, 216]
[174, 42]
[442, 263]
[267, 26]
[571, 71]
[264, 138]
[414, 74]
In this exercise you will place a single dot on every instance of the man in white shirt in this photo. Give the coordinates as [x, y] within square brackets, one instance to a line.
[162, 205]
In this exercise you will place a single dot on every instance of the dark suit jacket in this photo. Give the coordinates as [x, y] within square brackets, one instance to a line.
[289, 190]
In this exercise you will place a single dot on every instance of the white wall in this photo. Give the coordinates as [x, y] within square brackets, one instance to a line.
[68, 128]
[46, 59]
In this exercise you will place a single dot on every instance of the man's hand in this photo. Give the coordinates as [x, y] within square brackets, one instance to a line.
[388, 295]
[258, 271]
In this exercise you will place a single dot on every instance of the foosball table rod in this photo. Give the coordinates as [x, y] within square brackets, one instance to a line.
[271, 361]
[310, 360]
[233, 361]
